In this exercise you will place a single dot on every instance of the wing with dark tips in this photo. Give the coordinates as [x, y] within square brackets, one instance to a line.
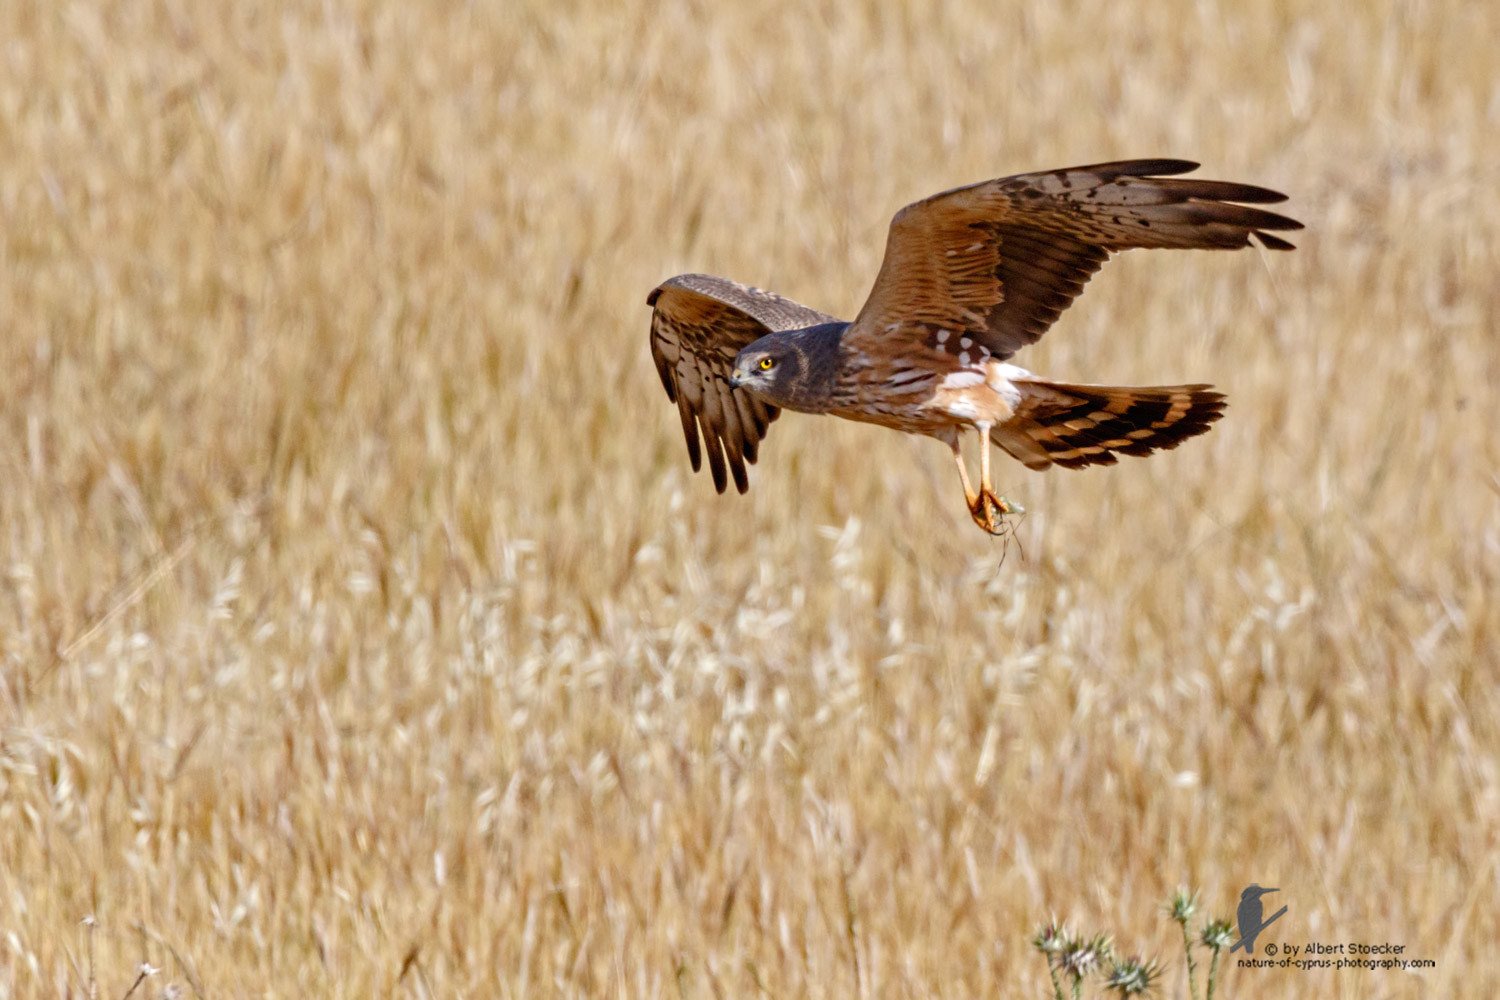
[994, 264]
[699, 324]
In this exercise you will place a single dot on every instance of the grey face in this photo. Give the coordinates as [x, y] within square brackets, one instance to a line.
[767, 367]
[794, 369]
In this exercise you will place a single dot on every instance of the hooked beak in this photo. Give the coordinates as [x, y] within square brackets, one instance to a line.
[737, 378]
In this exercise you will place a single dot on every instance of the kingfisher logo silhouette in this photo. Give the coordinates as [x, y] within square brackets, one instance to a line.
[1249, 915]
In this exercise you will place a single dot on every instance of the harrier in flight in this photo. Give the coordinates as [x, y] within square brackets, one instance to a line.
[970, 277]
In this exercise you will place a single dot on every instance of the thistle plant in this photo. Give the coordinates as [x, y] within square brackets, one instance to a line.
[1074, 958]
[1051, 941]
[1181, 908]
[1133, 977]
[1082, 957]
[1217, 935]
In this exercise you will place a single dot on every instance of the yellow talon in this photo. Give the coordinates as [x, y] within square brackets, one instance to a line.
[989, 512]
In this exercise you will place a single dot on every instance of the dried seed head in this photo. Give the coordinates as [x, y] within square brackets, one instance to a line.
[1182, 906]
[1082, 957]
[1132, 977]
[1218, 934]
[1052, 939]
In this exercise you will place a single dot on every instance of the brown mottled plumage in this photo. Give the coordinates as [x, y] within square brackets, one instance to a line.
[970, 276]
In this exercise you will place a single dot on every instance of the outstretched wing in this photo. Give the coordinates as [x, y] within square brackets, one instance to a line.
[701, 322]
[994, 264]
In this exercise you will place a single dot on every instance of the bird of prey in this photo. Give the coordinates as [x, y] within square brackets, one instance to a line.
[970, 277]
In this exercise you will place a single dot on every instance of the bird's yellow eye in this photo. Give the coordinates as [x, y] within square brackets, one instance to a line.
[765, 364]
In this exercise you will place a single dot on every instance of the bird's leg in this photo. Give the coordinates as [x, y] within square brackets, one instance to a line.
[991, 509]
[987, 509]
[979, 509]
[984, 462]
[970, 497]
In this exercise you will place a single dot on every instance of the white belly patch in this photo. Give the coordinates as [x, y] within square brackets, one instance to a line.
[981, 393]
[1001, 377]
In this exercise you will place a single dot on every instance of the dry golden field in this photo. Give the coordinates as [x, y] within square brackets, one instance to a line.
[365, 633]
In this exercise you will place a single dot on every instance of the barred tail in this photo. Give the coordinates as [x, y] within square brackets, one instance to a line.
[1078, 425]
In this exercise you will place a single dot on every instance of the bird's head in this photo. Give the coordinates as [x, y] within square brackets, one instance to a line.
[770, 364]
[794, 369]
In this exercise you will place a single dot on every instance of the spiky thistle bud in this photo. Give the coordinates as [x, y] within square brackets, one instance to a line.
[1218, 934]
[1182, 906]
[1081, 957]
[1132, 977]
[1051, 940]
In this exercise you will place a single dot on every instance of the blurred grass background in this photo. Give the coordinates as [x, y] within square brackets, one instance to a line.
[364, 631]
